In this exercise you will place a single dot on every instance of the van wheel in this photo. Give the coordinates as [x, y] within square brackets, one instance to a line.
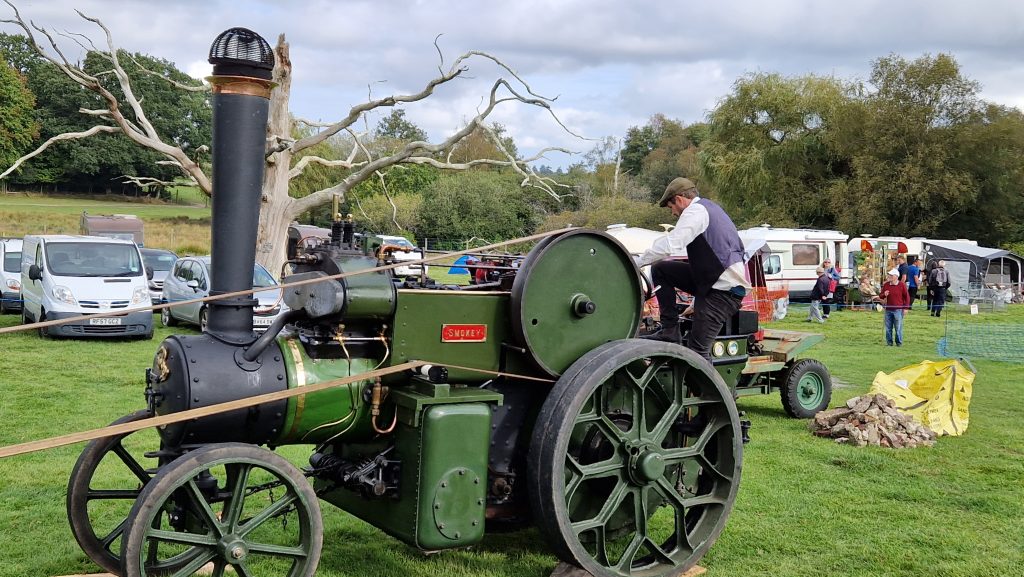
[203, 319]
[43, 331]
[166, 319]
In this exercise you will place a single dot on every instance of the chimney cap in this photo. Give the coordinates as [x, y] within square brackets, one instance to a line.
[241, 52]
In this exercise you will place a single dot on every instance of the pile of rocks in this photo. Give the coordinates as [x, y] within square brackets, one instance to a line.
[872, 420]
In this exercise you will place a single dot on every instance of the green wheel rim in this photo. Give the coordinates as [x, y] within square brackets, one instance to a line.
[646, 462]
[181, 523]
[810, 390]
[573, 293]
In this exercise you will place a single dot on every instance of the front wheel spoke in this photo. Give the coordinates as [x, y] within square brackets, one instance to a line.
[712, 468]
[108, 494]
[113, 535]
[277, 550]
[218, 568]
[610, 430]
[676, 456]
[194, 539]
[650, 370]
[239, 474]
[611, 504]
[626, 562]
[602, 469]
[203, 507]
[669, 492]
[131, 463]
[200, 559]
[275, 508]
[243, 569]
[682, 537]
[715, 424]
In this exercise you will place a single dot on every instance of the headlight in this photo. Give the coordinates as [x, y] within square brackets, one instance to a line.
[734, 348]
[718, 349]
[14, 284]
[141, 294]
[63, 294]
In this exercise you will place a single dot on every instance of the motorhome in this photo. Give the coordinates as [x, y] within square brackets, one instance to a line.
[64, 276]
[10, 274]
[795, 253]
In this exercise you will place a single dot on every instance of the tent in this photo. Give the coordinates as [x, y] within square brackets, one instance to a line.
[972, 267]
[458, 267]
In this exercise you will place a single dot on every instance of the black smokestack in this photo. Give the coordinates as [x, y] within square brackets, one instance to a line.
[243, 64]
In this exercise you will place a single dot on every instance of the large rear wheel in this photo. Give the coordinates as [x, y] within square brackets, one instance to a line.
[635, 460]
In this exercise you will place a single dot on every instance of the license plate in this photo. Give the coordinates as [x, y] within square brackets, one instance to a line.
[105, 321]
[262, 321]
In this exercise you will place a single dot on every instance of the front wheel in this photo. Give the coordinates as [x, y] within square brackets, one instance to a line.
[231, 505]
[807, 389]
[636, 460]
[204, 319]
[166, 319]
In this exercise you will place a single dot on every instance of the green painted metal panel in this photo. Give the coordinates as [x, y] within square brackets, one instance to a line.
[370, 295]
[422, 316]
[412, 402]
[317, 417]
[442, 481]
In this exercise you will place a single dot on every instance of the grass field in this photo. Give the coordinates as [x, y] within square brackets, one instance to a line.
[806, 506]
[180, 228]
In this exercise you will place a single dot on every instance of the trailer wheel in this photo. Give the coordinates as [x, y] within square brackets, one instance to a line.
[807, 389]
[233, 505]
[635, 460]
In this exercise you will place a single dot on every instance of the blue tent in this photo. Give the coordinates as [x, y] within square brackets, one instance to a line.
[456, 269]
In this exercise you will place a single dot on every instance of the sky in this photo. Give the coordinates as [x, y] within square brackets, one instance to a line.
[612, 64]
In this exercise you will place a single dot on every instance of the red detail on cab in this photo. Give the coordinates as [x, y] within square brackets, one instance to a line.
[463, 333]
[759, 335]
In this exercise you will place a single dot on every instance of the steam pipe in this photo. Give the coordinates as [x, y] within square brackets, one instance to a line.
[270, 334]
[242, 67]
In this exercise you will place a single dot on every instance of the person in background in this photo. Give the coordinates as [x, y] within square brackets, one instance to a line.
[913, 280]
[895, 298]
[830, 294]
[901, 265]
[868, 294]
[817, 294]
[715, 273]
[938, 282]
[932, 264]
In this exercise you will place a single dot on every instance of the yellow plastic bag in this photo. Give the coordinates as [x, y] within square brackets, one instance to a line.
[936, 394]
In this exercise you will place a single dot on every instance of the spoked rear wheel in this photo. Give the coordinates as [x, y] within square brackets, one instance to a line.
[227, 505]
[637, 460]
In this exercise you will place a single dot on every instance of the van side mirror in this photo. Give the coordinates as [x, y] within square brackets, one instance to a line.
[34, 273]
[149, 274]
[193, 284]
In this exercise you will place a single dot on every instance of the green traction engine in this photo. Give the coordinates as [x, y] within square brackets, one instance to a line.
[535, 405]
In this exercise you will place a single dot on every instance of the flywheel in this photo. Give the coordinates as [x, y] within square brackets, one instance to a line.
[573, 293]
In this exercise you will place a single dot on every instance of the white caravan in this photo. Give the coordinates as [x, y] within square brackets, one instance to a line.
[65, 276]
[796, 253]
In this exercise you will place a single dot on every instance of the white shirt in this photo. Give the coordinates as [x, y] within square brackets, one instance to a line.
[693, 221]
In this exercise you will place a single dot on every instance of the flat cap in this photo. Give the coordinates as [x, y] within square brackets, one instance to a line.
[677, 186]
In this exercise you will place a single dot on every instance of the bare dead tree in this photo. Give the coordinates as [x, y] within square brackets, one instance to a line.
[287, 158]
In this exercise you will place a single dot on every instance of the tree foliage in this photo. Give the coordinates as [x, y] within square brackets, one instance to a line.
[482, 204]
[18, 128]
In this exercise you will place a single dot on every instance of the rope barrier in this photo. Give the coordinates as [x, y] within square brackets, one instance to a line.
[162, 306]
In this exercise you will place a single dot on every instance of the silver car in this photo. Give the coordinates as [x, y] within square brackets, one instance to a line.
[190, 279]
[160, 262]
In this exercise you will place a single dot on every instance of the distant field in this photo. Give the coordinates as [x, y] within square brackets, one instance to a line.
[181, 228]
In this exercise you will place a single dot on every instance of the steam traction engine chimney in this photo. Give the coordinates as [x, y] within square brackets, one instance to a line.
[243, 64]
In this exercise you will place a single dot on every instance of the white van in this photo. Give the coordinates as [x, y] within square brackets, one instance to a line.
[797, 252]
[66, 276]
[10, 274]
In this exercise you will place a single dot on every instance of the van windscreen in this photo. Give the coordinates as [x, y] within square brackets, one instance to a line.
[93, 259]
[12, 261]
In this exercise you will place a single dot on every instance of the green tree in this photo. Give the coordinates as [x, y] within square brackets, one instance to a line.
[769, 149]
[18, 128]
[396, 126]
[482, 204]
[905, 148]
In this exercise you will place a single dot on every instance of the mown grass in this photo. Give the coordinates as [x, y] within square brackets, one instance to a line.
[806, 506]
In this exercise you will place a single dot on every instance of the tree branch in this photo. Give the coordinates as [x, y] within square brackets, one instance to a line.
[203, 88]
[59, 138]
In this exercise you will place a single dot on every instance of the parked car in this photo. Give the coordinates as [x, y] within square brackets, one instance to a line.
[160, 262]
[190, 279]
[415, 253]
[10, 274]
[64, 276]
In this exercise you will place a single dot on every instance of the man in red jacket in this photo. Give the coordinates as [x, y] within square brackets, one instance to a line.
[896, 299]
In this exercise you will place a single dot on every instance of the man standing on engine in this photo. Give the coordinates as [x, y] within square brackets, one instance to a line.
[714, 272]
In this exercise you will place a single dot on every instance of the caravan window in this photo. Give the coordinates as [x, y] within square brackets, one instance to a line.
[773, 264]
[806, 254]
